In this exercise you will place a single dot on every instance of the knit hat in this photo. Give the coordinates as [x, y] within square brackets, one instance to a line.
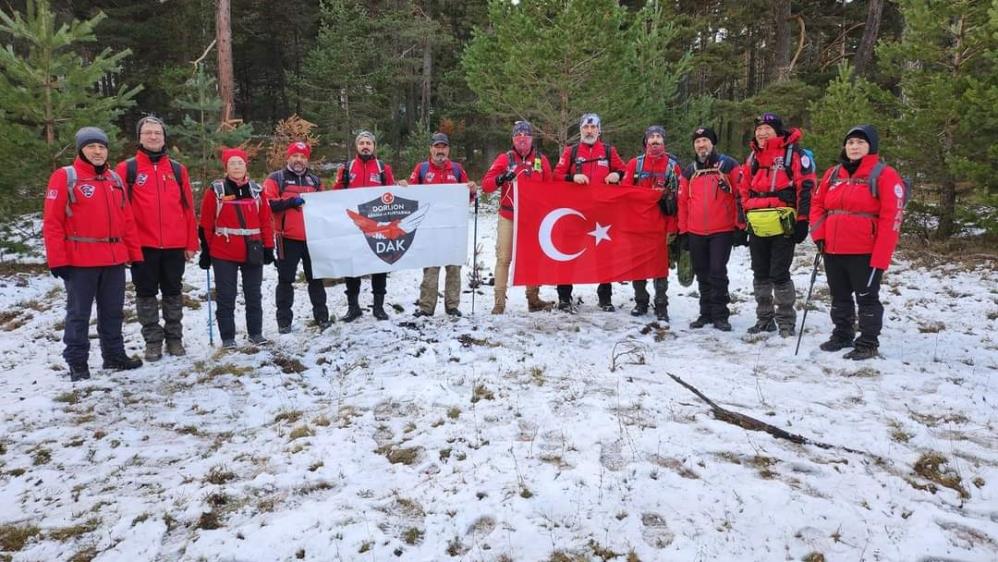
[364, 133]
[300, 147]
[654, 129]
[705, 133]
[228, 153]
[149, 119]
[867, 133]
[589, 119]
[771, 119]
[523, 128]
[439, 138]
[90, 135]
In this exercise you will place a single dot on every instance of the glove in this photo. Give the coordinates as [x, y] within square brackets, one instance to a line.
[204, 261]
[821, 246]
[788, 196]
[800, 231]
[507, 177]
[684, 242]
[667, 204]
[740, 238]
[268, 256]
[60, 272]
[297, 201]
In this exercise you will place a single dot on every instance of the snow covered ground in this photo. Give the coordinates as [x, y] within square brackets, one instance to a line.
[525, 437]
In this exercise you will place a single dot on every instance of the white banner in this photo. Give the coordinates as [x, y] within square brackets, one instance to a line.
[354, 232]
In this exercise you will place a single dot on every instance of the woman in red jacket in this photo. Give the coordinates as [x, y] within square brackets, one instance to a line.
[237, 235]
[857, 212]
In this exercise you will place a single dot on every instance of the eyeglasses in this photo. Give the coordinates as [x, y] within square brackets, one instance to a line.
[152, 133]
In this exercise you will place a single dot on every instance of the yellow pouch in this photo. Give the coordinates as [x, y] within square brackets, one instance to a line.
[766, 223]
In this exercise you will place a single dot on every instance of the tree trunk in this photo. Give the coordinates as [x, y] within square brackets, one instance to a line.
[864, 53]
[947, 208]
[427, 82]
[223, 33]
[781, 42]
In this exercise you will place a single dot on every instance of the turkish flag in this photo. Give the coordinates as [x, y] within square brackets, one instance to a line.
[569, 233]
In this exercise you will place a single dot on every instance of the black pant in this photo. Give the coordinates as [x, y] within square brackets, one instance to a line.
[84, 285]
[294, 251]
[771, 258]
[848, 275]
[603, 291]
[225, 297]
[161, 270]
[379, 281]
[709, 255]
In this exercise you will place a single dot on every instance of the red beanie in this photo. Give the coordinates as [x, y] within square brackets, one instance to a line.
[300, 147]
[231, 152]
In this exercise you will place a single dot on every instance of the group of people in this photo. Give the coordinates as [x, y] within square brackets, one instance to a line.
[98, 220]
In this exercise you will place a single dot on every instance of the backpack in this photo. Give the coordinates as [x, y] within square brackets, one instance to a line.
[871, 181]
[218, 186]
[346, 172]
[425, 167]
[71, 184]
[282, 182]
[806, 160]
[670, 174]
[131, 171]
[575, 162]
[511, 162]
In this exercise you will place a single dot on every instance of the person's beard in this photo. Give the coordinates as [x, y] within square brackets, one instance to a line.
[298, 167]
[703, 155]
[590, 139]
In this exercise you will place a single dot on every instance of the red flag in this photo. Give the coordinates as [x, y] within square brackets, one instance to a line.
[570, 233]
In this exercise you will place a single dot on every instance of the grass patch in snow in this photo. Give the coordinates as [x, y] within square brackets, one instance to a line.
[934, 467]
[301, 431]
[288, 365]
[224, 369]
[63, 534]
[814, 557]
[453, 412]
[14, 537]
[413, 536]
[85, 555]
[290, 416]
[219, 475]
[401, 455]
[481, 392]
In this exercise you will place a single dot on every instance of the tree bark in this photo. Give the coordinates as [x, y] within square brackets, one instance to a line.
[226, 84]
[864, 53]
[426, 84]
[781, 41]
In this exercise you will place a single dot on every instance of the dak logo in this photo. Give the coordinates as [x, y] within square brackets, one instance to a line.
[87, 190]
[389, 223]
[141, 179]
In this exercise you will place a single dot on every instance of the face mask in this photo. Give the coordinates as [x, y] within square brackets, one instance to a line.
[523, 144]
[655, 150]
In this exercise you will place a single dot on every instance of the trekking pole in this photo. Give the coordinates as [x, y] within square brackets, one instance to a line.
[476, 276]
[807, 302]
[211, 327]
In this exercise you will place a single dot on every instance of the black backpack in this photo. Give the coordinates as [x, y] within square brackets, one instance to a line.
[346, 172]
[576, 162]
[132, 170]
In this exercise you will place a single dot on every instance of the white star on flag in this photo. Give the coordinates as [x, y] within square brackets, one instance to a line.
[601, 233]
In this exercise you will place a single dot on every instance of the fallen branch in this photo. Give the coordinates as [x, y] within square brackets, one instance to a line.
[752, 424]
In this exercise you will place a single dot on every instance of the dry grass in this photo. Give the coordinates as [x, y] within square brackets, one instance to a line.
[219, 475]
[14, 537]
[290, 416]
[66, 533]
[933, 467]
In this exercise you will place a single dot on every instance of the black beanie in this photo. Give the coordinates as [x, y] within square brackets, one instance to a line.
[651, 131]
[90, 135]
[867, 133]
[705, 133]
[773, 120]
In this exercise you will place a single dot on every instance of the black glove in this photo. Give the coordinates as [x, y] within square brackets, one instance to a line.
[507, 177]
[800, 231]
[667, 204]
[60, 272]
[740, 238]
[788, 196]
[204, 261]
[297, 201]
[684, 242]
[821, 246]
[268, 256]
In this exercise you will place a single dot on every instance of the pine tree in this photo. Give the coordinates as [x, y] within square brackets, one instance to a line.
[847, 102]
[48, 90]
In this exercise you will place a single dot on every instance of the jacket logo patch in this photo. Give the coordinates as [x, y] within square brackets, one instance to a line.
[899, 191]
[141, 179]
[389, 224]
[53, 194]
[375, 179]
[87, 190]
[429, 176]
[805, 162]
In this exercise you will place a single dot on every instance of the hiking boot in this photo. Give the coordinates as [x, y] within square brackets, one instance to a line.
[662, 314]
[324, 325]
[607, 306]
[763, 326]
[228, 344]
[861, 353]
[787, 331]
[378, 309]
[499, 307]
[534, 302]
[700, 322]
[722, 325]
[286, 329]
[175, 348]
[353, 309]
[453, 312]
[79, 373]
[639, 310]
[420, 313]
[258, 339]
[835, 344]
[154, 351]
[567, 306]
[122, 363]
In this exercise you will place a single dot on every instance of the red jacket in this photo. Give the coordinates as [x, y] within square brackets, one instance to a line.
[591, 161]
[289, 220]
[162, 218]
[535, 167]
[654, 174]
[759, 190]
[256, 214]
[365, 174]
[846, 215]
[707, 202]
[94, 231]
[438, 174]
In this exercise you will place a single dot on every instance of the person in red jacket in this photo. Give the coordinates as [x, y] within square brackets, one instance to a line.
[589, 162]
[775, 193]
[522, 164]
[159, 190]
[856, 213]
[365, 170]
[708, 220]
[90, 236]
[237, 236]
[283, 190]
[440, 169]
[656, 169]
